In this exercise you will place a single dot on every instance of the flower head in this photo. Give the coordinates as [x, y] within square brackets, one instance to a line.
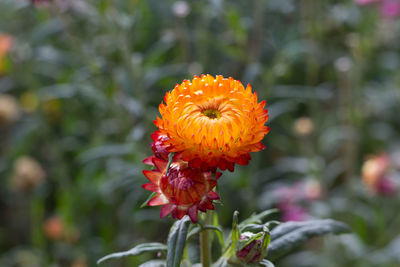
[182, 190]
[213, 122]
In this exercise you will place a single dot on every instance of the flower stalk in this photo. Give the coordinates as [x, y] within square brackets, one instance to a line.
[205, 242]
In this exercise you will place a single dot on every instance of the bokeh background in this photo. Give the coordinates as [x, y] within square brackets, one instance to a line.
[80, 83]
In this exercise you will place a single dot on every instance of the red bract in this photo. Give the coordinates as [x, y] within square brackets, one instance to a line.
[182, 190]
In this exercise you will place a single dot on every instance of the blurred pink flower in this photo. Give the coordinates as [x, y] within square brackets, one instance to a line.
[386, 186]
[292, 212]
[390, 8]
[375, 175]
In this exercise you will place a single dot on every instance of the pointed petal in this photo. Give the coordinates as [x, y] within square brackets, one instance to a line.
[180, 213]
[212, 195]
[151, 187]
[207, 205]
[158, 200]
[193, 213]
[167, 209]
[160, 164]
[149, 161]
[153, 176]
[154, 136]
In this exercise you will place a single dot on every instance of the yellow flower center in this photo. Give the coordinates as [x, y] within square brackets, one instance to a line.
[212, 113]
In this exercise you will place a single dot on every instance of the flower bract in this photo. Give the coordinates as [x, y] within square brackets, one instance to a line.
[182, 190]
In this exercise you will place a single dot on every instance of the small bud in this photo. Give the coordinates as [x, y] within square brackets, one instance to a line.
[250, 253]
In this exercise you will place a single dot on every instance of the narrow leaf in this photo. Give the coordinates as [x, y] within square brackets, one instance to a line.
[144, 204]
[258, 218]
[147, 247]
[266, 263]
[235, 229]
[176, 241]
[170, 159]
[153, 263]
[297, 233]
[220, 234]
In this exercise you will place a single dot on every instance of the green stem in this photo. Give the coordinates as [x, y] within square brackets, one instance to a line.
[205, 242]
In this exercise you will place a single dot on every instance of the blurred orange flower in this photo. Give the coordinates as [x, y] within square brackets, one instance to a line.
[374, 168]
[213, 122]
[54, 228]
[182, 191]
[376, 175]
[6, 42]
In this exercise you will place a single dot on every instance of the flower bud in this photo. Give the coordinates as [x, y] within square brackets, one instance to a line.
[250, 253]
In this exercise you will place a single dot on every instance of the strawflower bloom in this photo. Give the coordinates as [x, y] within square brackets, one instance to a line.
[182, 190]
[213, 122]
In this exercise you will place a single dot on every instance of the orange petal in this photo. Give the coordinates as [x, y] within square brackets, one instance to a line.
[153, 176]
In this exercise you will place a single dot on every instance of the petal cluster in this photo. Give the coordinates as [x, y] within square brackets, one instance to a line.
[213, 122]
[181, 190]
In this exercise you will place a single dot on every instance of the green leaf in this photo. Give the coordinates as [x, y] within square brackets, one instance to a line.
[258, 218]
[146, 247]
[153, 263]
[201, 228]
[266, 263]
[288, 236]
[193, 232]
[219, 233]
[170, 159]
[235, 229]
[144, 204]
[176, 241]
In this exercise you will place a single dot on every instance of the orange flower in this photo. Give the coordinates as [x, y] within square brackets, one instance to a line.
[182, 190]
[213, 122]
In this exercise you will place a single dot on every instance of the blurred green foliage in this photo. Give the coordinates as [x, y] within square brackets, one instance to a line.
[87, 78]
